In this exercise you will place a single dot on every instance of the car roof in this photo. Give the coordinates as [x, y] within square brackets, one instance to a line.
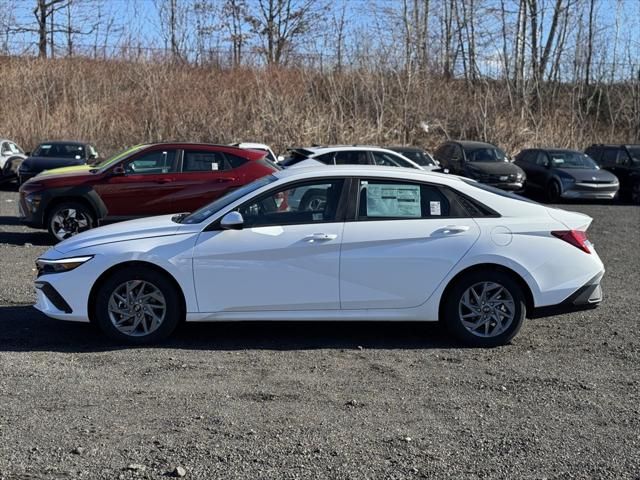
[472, 144]
[367, 171]
[249, 145]
[615, 145]
[406, 148]
[319, 149]
[64, 142]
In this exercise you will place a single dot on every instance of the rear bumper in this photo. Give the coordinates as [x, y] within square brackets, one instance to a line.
[586, 297]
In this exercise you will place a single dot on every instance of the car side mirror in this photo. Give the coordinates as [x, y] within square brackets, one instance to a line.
[232, 221]
[280, 158]
[92, 156]
[118, 171]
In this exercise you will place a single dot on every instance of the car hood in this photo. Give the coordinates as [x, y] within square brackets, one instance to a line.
[588, 174]
[37, 164]
[149, 227]
[495, 168]
[71, 169]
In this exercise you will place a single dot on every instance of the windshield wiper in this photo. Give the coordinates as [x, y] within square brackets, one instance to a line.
[178, 217]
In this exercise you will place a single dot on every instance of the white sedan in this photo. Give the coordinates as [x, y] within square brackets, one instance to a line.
[375, 243]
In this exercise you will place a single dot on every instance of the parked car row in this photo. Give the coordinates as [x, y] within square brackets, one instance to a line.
[66, 189]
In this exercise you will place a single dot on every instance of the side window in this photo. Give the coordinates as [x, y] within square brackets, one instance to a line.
[235, 161]
[594, 153]
[305, 203]
[326, 158]
[203, 161]
[623, 158]
[4, 149]
[456, 153]
[381, 199]
[542, 160]
[528, 157]
[351, 157]
[381, 158]
[610, 157]
[157, 162]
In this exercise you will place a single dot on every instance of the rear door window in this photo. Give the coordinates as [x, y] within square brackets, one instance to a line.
[351, 157]
[398, 200]
[204, 161]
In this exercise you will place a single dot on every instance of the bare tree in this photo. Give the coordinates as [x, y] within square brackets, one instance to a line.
[281, 23]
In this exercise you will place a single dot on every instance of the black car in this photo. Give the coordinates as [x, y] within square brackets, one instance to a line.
[624, 162]
[56, 154]
[481, 161]
[417, 154]
[561, 173]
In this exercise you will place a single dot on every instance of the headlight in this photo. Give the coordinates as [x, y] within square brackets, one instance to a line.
[519, 176]
[33, 201]
[46, 266]
[568, 179]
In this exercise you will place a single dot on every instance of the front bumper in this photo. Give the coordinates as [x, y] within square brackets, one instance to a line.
[587, 297]
[591, 191]
[510, 186]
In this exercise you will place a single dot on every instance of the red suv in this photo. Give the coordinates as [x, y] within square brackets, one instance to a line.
[145, 180]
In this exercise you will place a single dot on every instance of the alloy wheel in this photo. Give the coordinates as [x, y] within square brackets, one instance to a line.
[486, 309]
[68, 222]
[137, 308]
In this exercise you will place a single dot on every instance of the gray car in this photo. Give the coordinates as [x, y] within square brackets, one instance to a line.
[560, 173]
[11, 156]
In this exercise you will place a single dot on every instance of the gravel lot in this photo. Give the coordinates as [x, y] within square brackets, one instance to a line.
[332, 400]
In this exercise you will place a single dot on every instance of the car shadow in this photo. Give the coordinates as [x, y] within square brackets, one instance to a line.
[37, 238]
[24, 329]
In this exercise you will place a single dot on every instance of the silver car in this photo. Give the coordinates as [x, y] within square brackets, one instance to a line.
[11, 156]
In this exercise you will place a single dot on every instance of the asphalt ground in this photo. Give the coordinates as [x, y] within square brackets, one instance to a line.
[323, 400]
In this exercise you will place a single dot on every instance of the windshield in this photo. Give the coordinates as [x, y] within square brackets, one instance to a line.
[634, 151]
[118, 156]
[64, 150]
[421, 158]
[488, 154]
[215, 206]
[562, 159]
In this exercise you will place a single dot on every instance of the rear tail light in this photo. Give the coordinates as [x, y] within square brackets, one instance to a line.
[577, 238]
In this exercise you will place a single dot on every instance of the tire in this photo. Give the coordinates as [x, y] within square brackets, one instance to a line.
[480, 329]
[634, 196]
[63, 224]
[118, 320]
[313, 200]
[554, 191]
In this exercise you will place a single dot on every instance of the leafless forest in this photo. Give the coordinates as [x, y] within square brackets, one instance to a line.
[290, 72]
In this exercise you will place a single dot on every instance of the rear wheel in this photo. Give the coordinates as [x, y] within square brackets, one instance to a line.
[68, 219]
[485, 309]
[137, 306]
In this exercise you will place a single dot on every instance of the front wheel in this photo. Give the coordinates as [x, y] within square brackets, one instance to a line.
[635, 193]
[485, 309]
[137, 306]
[68, 219]
[554, 191]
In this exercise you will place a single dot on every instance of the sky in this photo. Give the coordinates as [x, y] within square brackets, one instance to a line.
[139, 20]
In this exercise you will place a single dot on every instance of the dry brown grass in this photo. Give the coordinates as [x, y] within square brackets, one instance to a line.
[115, 104]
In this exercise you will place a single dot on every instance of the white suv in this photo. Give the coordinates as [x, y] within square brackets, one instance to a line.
[350, 155]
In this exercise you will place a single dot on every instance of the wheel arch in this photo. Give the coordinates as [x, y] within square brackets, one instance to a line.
[128, 264]
[524, 286]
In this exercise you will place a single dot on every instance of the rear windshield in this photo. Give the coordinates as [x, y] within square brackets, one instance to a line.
[497, 191]
[421, 158]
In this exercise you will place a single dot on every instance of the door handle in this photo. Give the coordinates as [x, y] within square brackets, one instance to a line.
[452, 229]
[317, 237]
[223, 180]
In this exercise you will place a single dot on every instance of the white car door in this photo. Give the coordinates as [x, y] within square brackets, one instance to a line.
[406, 238]
[284, 258]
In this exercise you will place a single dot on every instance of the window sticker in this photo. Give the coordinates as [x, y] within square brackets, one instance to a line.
[214, 166]
[558, 160]
[393, 201]
[434, 208]
[318, 217]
